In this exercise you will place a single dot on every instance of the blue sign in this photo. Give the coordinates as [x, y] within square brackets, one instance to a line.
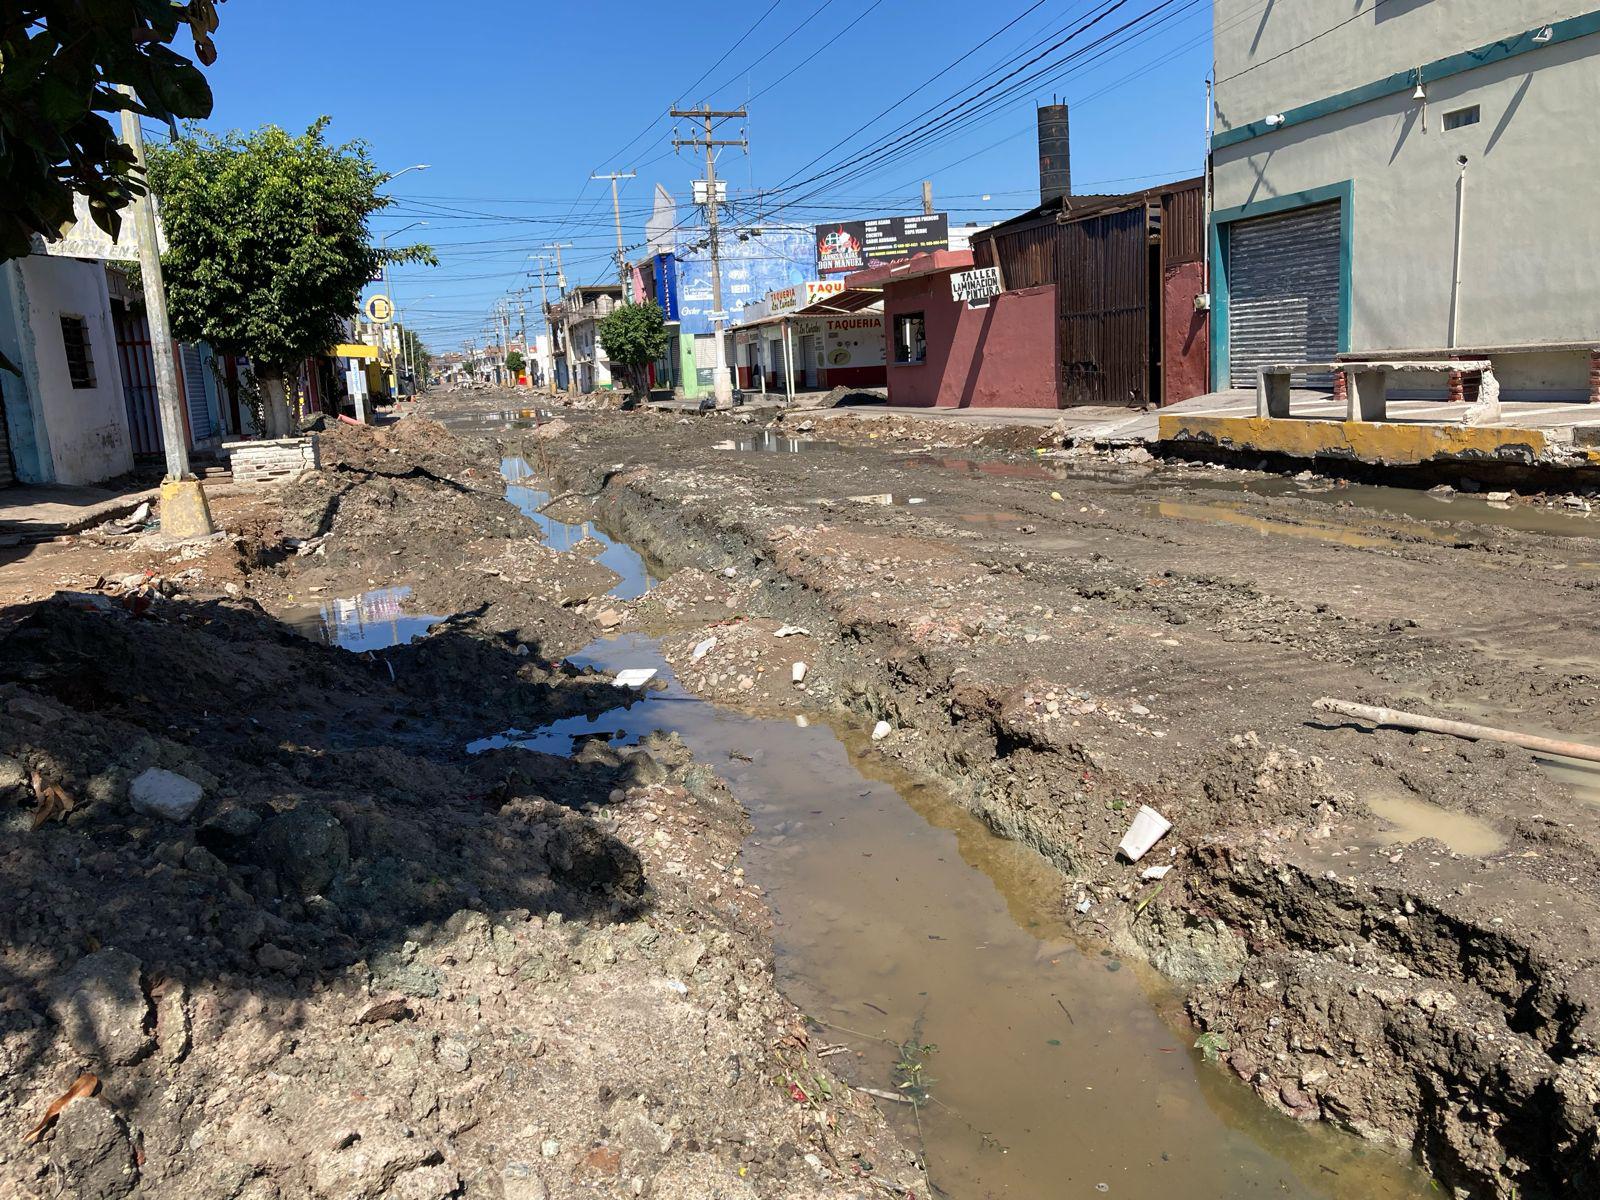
[667, 284]
[755, 260]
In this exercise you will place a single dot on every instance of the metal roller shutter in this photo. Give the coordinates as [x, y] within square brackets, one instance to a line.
[194, 391]
[6, 478]
[1283, 291]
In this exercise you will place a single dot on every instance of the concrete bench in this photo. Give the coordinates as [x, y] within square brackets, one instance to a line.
[1367, 383]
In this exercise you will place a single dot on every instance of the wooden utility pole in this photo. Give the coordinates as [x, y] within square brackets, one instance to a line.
[547, 363]
[561, 294]
[616, 211]
[927, 197]
[721, 385]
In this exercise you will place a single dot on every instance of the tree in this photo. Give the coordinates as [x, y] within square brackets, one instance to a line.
[268, 244]
[416, 353]
[61, 62]
[514, 363]
[634, 336]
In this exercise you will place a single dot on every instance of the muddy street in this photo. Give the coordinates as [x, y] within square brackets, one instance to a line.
[828, 903]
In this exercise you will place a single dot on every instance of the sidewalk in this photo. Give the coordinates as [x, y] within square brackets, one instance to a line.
[37, 513]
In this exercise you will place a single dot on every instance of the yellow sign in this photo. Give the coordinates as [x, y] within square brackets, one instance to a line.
[380, 309]
[354, 350]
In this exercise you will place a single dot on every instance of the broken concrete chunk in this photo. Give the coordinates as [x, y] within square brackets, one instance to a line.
[305, 846]
[91, 1155]
[702, 649]
[1148, 828]
[634, 676]
[102, 1009]
[161, 793]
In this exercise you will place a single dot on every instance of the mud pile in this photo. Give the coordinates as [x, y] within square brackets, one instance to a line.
[278, 935]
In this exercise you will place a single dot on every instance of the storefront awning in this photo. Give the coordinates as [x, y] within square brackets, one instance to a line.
[851, 300]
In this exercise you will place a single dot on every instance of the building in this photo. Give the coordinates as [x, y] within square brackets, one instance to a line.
[1407, 182]
[1125, 273]
[63, 418]
[816, 335]
[580, 314]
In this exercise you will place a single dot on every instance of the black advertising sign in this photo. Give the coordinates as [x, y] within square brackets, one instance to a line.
[845, 246]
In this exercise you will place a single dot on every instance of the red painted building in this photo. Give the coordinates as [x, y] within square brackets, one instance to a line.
[941, 353]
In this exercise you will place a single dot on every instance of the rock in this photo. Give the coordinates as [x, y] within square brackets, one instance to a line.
[519, 1181]
[306, 846]
[609, 618]
[31, 708]
[161, 793]
[453, 1054]
[91, 1157]
[364, 1168]
[13, 776]
[438, 1182]
[273, 957]
[102, 1009]
[393, 1009]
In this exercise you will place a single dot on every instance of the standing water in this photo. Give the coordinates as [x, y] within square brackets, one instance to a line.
[938, 952]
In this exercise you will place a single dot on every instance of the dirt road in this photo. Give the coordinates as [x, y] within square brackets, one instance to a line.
[1396, 933]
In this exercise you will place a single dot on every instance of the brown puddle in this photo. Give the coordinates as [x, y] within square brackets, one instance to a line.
[1222, 514]
[913, 935]
[1414, 819]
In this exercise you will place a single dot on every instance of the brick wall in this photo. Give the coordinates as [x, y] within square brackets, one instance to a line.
[277, 460]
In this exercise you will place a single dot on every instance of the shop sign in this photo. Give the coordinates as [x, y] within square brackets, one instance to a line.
[845, 246]
[977, 287]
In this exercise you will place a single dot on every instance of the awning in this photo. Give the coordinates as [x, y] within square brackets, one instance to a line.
[851, 300]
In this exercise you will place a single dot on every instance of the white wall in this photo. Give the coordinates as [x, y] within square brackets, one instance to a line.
[1530, 234]
[87, 428]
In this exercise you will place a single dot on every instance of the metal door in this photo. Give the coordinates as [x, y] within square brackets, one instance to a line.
[6, 477]
[138, 380]
[1284, 292]
[194, 393]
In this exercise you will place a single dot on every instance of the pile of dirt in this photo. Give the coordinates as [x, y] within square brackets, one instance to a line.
[272, 932]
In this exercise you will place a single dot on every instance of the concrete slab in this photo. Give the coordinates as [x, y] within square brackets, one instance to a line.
[1532, 433]
[39, 513]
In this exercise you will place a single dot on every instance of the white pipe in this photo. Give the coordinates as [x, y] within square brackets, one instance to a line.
[1205, 224]
[788, 360]
[1455, 287]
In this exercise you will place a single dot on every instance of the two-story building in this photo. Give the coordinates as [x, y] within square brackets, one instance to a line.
[1410, 179]
[581, 311]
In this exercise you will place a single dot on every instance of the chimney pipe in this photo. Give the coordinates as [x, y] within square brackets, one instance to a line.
[1055, 159]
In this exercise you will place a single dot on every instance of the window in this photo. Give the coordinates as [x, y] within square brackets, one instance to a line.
[1460, 117]
[910, 338]
[80, 363]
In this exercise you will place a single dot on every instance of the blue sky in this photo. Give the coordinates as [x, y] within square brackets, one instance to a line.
[514, 105]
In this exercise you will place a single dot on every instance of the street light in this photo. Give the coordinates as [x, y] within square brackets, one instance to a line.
[403, 170]
[384, 242]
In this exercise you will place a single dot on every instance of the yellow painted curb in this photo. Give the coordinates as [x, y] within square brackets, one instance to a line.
[1386, 442]
[184, 511]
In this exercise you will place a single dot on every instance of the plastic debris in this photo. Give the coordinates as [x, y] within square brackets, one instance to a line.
[1147, 829]
[881, 730]
[1085, 905]
[791, 631]
[1155, 872]
[702, 649]
[634, 677]
[798, 672]
[729, 572]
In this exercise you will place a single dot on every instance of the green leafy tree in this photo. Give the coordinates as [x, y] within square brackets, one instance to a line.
[61, 62]
[634, 336]
[514, 363]
[269, 247]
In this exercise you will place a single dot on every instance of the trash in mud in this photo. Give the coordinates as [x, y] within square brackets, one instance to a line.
[1148, 828]
[798, 672]
[634, 676]
[701, 649]
[789, 631]
[1155, 872]
[881, 730]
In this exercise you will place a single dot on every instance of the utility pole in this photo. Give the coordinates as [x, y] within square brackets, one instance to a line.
[547, 364]
[927, 197]
[722, 386]
[522, 319]
[616, 211]
[561, 294]
[184, 511]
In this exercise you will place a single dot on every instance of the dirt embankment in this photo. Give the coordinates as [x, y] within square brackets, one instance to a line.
[301, 944]
[1395, 933]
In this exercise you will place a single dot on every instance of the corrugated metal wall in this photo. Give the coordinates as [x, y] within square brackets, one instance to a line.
[1101, 268]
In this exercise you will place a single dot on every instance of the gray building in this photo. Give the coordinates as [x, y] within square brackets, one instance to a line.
[1415, 177]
